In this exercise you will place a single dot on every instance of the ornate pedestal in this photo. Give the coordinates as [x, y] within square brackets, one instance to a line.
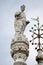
[19, 48]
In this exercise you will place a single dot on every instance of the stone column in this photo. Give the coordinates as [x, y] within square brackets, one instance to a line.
[39, 57]
[20, 44]
[19, 50]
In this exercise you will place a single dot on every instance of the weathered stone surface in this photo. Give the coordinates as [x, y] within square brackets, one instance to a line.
[19, 63]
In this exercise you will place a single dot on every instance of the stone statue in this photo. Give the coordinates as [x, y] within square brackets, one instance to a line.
[20, 20]
[20, 44]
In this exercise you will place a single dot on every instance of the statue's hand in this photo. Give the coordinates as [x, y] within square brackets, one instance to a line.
[27, 22]
[17, 14]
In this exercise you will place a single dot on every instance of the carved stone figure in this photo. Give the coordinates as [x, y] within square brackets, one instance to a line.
[20, 44]
[20, 20]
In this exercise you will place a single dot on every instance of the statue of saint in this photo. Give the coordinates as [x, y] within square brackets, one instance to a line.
[20, 20]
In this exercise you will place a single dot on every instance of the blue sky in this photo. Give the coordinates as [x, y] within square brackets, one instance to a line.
[8, 8]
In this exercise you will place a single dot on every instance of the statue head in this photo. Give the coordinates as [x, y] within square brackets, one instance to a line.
[22, 7]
